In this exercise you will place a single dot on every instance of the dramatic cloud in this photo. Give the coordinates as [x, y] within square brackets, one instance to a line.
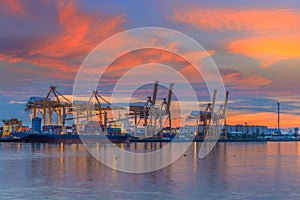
[76, 32]
[253, 20]
[268, 49]
[268, 35]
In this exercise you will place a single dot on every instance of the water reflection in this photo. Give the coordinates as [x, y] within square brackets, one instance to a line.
[230, 171]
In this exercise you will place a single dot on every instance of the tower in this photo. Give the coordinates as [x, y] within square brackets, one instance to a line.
[278, 116]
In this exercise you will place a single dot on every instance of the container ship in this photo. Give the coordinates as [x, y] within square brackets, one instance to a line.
[55, 134]
[68, 138]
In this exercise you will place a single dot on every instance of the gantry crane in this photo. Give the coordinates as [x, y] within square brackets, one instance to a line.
[93, 108]
[152, 113]
[47, 106]
[11, 125]
[205, 118]
[221, 114]
[101, 111]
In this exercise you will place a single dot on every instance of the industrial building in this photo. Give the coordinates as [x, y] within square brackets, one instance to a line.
[247, 130]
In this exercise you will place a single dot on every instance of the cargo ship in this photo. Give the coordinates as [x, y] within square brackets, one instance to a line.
[92, 133]
[69, 138]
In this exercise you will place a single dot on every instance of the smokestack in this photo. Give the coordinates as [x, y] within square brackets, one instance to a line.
[278, 112]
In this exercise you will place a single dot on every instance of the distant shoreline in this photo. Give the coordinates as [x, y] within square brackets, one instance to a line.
[220, 140]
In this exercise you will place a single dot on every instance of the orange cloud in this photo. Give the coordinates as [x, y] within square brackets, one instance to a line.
[258, 20]
[268, 50]
[269, 35]
[136, 58]
[63, 52]
[144, 56]
[238, 79]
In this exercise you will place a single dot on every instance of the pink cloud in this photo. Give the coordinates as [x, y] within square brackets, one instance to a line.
[62, 52]
[258, 20]
[245, 81]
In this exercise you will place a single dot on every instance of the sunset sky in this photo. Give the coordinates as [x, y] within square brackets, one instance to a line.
[256, 46]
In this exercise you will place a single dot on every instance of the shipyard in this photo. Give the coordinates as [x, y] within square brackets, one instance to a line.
[150, 122]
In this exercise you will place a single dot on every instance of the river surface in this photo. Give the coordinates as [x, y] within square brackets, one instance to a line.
[231, 171]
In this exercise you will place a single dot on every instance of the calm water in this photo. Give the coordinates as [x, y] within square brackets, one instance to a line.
[231, 171]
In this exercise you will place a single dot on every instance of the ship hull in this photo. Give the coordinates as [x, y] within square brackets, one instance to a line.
[66, 138]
